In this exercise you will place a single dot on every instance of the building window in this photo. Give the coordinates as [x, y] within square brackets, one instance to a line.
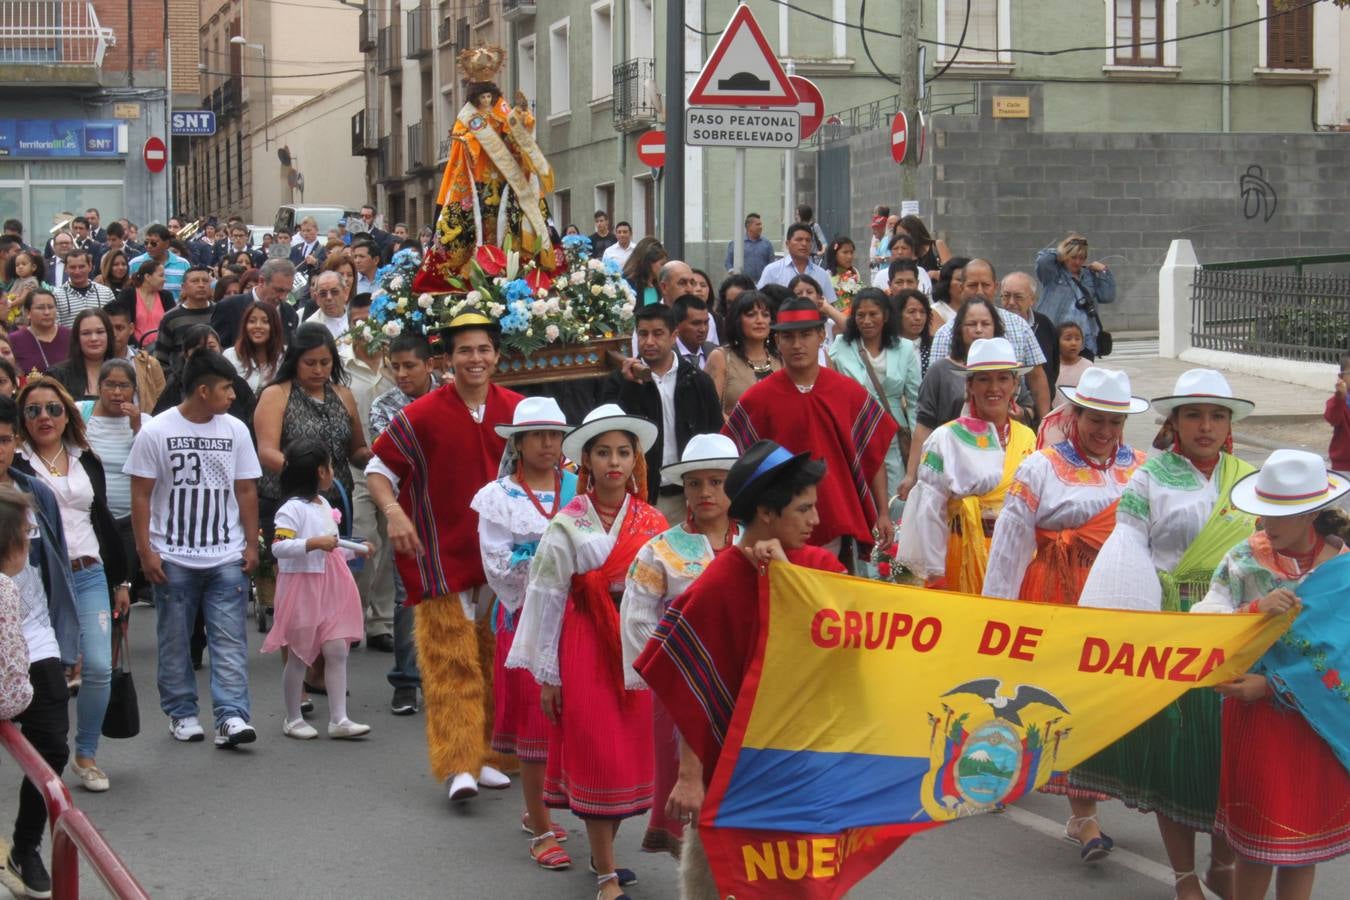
[604, 201]
[562, 210]
[602, 50]
[640, 31]
[525, 68]
[1139, 32]
[1289, 38]
[987, 33]
[559, 69]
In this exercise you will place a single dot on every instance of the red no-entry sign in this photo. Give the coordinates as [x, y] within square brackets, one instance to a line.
[155, 154]
[899, 136]
[651, 148]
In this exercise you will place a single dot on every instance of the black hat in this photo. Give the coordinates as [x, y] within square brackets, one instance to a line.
[755, 471]
[798, 314]
[470, 318]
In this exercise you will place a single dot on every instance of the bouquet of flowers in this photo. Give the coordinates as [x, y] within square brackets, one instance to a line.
[846, 284]
[891, 570]
[394, 309]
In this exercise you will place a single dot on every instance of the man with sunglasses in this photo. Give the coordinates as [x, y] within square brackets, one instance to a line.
[331, 297]
[157, 240]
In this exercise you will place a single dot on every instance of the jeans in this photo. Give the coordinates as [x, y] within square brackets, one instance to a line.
[405, 672]
[45, 723]
[222, 594]
[95, 614]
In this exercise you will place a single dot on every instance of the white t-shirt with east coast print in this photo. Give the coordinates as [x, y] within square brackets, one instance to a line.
[194, 515]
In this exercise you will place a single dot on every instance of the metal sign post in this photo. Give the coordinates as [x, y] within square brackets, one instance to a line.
[789, 172]
[738, 212]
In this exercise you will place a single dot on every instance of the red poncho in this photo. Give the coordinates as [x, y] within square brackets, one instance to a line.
[442, 457]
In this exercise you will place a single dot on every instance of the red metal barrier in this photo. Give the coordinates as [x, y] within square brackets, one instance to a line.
[72, 832]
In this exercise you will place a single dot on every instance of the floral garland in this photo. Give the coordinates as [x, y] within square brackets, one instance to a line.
[891, 570]
[580, 300]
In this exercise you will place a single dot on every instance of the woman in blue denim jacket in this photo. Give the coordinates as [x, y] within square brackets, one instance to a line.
[1070, 285]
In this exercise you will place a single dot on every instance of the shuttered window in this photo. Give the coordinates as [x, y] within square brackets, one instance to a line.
[1289, 38]
[981, 32]
[1139, 29]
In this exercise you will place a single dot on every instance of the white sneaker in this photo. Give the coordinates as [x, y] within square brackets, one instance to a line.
[187, 729]
[347, 729]
[300, 730]
[235, 731]
[463, 787]
[492, 779]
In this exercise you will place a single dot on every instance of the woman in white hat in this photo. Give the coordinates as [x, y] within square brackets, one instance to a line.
[663, 570]
[1284, 789]
[1175, 519]
[513, 512]
[1060, 510]
[967, 468]
[600, 745]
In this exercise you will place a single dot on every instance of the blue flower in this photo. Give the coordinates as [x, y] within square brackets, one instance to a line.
[518, 290]
[577, 244]
[612, 267]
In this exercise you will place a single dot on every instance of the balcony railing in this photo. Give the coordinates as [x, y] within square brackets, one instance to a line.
[443, 152]
[386, 51]
[482, 11]
[445, 30]
[365, 31]
[52, 33]
[419, 33]
[363, 138]
[634, 107]
[224, 100]
[417, 147]
[514, 10]
[387, 167]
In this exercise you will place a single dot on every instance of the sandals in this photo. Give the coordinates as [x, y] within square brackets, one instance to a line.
[1217, 868]
[1093, 850]
[603, 879]
[559, 832]
[625, 877]
[552, 859]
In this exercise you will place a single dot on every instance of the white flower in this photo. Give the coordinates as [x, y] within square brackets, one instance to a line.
[551, 333]
[595, 265]
[541, 293]
[595, 290]
[393, 329]
[577, 277]
[425, 301]
[473, 297]
[497, 310]
[609, 291]
[396, 283]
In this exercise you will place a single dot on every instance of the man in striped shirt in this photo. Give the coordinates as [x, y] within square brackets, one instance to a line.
[157, 239]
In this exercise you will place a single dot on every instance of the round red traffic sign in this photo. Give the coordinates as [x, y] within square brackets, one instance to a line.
[810, 104]
[651, 148]
[899, 136]
[155, 154]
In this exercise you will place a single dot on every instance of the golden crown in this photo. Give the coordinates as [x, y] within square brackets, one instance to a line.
[481, 63]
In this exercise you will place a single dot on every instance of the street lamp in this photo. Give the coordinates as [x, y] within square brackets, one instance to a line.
[241, 41]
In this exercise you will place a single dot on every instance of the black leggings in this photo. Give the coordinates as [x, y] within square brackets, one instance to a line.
[46, 725]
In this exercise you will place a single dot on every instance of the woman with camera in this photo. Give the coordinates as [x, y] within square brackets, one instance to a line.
[1072, 288]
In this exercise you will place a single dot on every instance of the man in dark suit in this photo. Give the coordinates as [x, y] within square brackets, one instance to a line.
[691, 330]
[236, 243]
[62, 243]
[378, 235]
[95, 220]
[274, 285]
[308, 253]
[1018, 296]
[677, 396]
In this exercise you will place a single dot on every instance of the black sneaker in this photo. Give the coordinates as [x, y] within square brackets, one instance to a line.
[404, 702]
[26, 865]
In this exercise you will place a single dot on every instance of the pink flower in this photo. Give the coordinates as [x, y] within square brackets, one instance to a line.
[337, 515]
[1332, 679]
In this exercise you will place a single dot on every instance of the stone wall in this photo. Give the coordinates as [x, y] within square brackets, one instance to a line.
[1003, 188]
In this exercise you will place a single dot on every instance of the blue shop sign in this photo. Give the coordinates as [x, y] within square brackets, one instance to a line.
[45, 138]
[193, 123]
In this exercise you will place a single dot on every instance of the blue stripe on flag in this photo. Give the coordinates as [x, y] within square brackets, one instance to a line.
[822, 793]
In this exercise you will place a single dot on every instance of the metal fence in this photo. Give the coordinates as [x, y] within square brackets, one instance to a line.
[957, 99]
[1241, 308]
[52, 33]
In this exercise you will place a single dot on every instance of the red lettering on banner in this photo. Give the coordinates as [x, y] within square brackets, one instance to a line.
[999, 637]
[825, 629]
[1187, 656]
[1124, 661]
[995, 638]
[853, 629]
[1024, 642]
[1216, 659]
[1095, 653]
[934, 628]
[901, 623]
[877, 635]
[1154, 661]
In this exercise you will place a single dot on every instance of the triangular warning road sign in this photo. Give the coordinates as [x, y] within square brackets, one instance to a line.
[742, 69]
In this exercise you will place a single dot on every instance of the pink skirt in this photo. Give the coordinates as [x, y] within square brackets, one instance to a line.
[315, 607]
[1284, 797]
[600, 753]
[519, 726]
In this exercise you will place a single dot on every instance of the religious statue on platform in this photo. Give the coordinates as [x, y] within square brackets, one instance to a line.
[493, 186]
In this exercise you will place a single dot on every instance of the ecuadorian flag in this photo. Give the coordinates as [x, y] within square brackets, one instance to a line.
[873, 711]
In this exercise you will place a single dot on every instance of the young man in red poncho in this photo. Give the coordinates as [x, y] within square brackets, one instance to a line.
[775, 494]
[807, 407]
[428, 464]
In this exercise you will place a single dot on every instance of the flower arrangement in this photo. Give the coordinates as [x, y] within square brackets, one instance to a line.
[581, 300]
[846, 284]
[891, 570]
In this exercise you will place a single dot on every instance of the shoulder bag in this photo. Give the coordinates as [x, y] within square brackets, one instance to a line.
[123, 718]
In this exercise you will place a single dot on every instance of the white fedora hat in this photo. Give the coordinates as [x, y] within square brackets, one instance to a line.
[992, 355]
[1104, 390]
[1291, 482]
[1203, 386]
[534, 414]
[704, 451]
[604, 418]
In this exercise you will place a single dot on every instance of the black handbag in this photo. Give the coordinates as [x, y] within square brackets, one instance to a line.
[123, 718]
[1104, 340]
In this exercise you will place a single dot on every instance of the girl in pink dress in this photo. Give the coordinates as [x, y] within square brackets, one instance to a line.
[318, 608]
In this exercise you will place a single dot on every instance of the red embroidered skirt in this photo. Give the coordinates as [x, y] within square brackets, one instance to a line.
[600, 753]
[519, 726]
[1284, 797]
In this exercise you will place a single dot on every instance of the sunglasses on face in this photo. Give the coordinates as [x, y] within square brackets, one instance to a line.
[51, 408]
[330, 293]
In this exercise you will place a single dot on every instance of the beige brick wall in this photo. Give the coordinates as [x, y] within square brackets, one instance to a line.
[184, 37]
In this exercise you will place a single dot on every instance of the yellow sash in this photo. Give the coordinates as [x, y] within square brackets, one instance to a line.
[534, 230]
[967, 545]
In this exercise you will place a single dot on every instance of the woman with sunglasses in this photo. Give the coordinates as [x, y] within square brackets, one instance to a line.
[56, 450]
